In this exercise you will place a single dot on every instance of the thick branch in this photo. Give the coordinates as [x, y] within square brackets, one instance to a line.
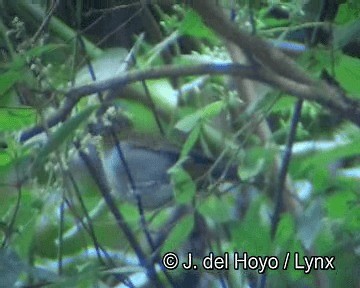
[290, 77]
[74, 95]
[321, 92]
[268, 55]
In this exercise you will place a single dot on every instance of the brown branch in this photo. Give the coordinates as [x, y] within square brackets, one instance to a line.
[246, 90]
[326, 95]
[265, 53]
[280, 70]
[74, 95]
[322, 93]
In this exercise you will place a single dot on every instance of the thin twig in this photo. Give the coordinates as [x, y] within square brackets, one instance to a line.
[98, 174]
[284, 167]
[46, 21]
[292, 28]
[134, 190]
[10, 228]
[282, 177]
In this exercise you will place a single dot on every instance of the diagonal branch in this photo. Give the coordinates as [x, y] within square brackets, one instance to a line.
[74, 95]
[268, 55]
[281, 71]
[320, 92]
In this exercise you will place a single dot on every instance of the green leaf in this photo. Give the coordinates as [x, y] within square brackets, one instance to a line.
[346, 33]
[15, 68]
[14, 172]
[63, 133]
[189, 122]
[310, 224]
[247, 172]
[286, 242]
[344, 206]
[285, 230]
[26, 222]
[141, 116]
[162, 93]
[16, 119]
[20, 60]
[283, 105]
[346, 13]
[192, 25]
[253, 234]
[179, 234]
[255, 161]
[323, 159]
[190, 141]
[213, 207]
[184, 186]
[211, 110]
[347, 71]
[4, 158]
[8, 80]
[338, 204]
[86, 275]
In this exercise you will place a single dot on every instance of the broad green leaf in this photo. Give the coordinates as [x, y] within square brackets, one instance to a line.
[285, 242]
[179, 234]
[252, 235]
[256, 160]
[4, 158]
[285, 230]
[283, 105]
[190, 141]
[192, 25]
[162, 93]
[346, 13]
[318, 166]
[347, 269]
[189, 122]
[185, 187]
[8, 80]
[347, 71]
[338, 205]
[141, 116]
[248, 171]
[216, 209]
[343, 206]
[15, 119]
[211, 110]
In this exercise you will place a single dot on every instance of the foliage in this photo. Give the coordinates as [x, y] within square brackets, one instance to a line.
[56, 223]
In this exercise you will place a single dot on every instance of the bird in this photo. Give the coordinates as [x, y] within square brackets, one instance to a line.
[141, 169]
[144, 170]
